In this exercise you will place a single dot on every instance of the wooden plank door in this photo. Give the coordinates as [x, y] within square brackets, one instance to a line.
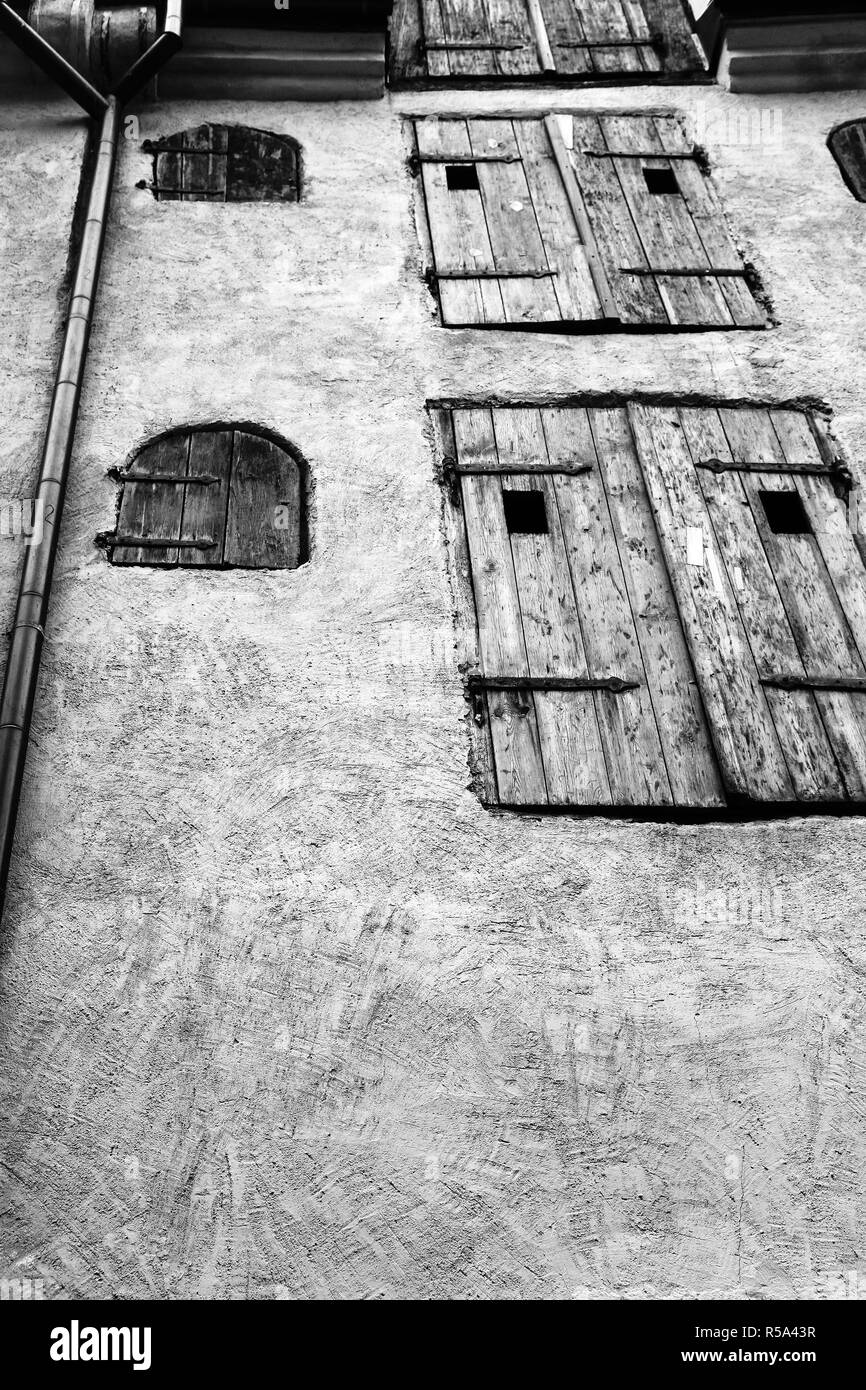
[772, 592]
[584, 675]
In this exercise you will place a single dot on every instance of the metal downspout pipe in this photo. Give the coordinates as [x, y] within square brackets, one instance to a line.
[28, 631]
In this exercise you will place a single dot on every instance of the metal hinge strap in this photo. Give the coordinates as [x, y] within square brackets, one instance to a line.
[203, 480]
[679, 273]
[639, 154]
[654, 42]
[443, 45]
[452, 472]
[158, 543]
[416, 160]
[506, 468]
[767, 466]
[815, 682]
[491, 274]
[613, 684]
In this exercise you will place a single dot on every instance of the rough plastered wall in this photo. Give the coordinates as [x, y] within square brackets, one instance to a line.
[285, 1012]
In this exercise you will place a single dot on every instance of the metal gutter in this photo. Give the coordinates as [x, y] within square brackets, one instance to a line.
[28, 631]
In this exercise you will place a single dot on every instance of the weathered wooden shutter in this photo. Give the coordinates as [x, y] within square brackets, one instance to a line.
[772, 592]
[520, 40]
[506, 245]
[215, 498]
[572, 220]
[848, 147]
[583, 688]
[666, 606]
[220, 163]
[659, 225]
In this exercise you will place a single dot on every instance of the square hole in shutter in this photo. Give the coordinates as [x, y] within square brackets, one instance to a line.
[461, 176]
[525, 513]
[661, 180]
[785, 513]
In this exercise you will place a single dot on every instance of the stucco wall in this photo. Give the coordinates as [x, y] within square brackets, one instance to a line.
[284, 1010]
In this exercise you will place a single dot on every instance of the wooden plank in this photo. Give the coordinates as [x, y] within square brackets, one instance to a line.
[688, 751]
[512, 225]
[264, 479]
[511, 23]
[669, 237]
[497, 605]
[466, 620]
[745, 738]
[407, 58]
[458, 229]
[204, 164]
[467, 20]
[543, 52]
[154, 510]
[573, 286]
[568, 721]
[261, 167]
[513, 725]
[434, 32]
[808, 753]
[636, 297]
[205, 506]
[583, 258]
[710, 224]
[632, 746]
[568, 726]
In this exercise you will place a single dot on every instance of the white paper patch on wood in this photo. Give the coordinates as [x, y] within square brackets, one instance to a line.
[694, 546]
[566, 129]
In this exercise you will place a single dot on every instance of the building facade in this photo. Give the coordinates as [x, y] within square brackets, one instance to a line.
[308, 989]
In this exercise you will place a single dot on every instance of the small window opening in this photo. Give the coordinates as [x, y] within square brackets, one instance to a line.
[461, 177]
[661, 180]
[785, 513]
[525, 513]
